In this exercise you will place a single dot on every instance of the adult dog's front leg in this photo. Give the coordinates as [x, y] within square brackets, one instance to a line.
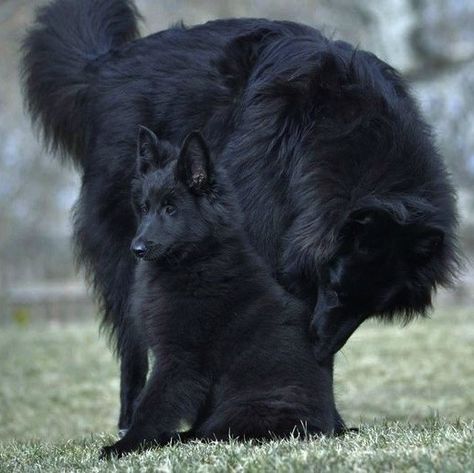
[171, 398]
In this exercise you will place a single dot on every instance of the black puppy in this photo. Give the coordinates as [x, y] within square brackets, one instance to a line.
[232, 349]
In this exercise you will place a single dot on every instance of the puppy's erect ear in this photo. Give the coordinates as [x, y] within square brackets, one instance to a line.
[152, 153]
[147, 146]
[194, 167]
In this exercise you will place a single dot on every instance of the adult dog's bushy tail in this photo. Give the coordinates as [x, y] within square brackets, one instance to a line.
[67, 37]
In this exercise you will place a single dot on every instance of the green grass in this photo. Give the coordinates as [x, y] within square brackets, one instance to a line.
[411, 392]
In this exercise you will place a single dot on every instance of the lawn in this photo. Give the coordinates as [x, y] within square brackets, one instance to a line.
[410, 390]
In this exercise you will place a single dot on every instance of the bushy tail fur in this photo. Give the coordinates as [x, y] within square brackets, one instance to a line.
[67, 37]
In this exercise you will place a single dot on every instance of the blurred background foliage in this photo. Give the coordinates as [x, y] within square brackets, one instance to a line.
[430, 41]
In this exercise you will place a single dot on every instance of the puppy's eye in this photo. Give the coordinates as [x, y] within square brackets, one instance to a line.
[144, 208]
[169, 209]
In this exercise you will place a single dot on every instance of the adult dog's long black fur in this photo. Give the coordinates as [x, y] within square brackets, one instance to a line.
[233, 355]
[342, 190]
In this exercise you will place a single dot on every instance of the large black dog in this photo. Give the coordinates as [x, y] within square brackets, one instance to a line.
[232, 350]
[342, 190]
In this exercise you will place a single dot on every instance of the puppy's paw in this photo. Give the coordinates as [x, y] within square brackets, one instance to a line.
[110, 452]
[122, 433]
[353, 430]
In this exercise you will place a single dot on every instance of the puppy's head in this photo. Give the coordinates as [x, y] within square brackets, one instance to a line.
[171, 195]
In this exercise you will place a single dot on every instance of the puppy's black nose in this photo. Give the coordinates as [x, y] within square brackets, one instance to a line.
[139, 249]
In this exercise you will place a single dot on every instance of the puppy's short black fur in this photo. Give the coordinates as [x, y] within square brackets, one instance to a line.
[343, 193]
[232, 349]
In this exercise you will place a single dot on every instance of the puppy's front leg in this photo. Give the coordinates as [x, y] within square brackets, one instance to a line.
[133, 374]
[172, 397]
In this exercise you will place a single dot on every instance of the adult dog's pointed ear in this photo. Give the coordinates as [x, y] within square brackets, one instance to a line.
[152, 153]
[195, 168]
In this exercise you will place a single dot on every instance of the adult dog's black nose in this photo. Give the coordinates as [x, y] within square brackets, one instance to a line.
[138, 248]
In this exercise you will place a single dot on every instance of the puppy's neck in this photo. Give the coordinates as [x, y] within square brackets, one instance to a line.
[223, 258]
